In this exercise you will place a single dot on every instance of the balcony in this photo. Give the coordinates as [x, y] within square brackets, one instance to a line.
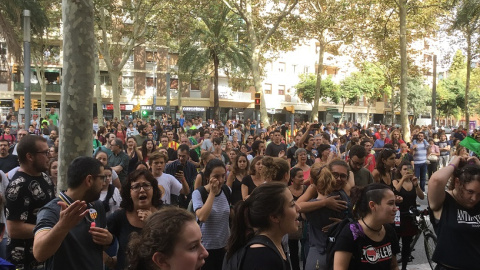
[51, 88]
[237, 96]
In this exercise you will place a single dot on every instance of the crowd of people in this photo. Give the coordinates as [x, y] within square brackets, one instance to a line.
[194, 194]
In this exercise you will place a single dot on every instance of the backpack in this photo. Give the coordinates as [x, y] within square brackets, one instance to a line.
[106, 205]
[204, 195]
[332, 235]
[236, 261]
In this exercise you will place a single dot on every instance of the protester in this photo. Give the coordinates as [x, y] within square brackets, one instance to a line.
[374, 209]
[176, 244]
[71, 227]
[455, 210]
[140, 198]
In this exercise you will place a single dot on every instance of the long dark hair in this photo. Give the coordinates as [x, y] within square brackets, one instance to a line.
[265, 201]
[361, 196]
[384, 154]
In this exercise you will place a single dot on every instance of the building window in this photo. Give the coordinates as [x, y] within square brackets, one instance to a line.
[173, 83]
[281, 67]
[268, 88]
[105, 78]
[150, 82]
[3, 76]
[131, 58]
[305, 69]
[151, 57]
[195, 85]
[128, 82]
[281, 89]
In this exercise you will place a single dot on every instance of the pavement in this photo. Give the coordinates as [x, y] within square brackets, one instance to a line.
[424, 266]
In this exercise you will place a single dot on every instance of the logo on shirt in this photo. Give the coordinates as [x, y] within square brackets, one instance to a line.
[464, 218]
[373, 254]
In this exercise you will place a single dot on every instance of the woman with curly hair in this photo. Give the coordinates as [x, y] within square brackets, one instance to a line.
[141, 197]
[176, 244]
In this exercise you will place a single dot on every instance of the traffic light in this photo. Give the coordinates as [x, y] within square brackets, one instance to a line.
[22, 102]
[144, 113]
[14, 69]
[257, 101]
[16, 104]
[290, 109]
[34, 104]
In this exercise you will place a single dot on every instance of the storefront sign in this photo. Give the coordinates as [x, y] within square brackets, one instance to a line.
[6, 103]
[193, 109]
[149, 108]
[300, 112]
[123, 107]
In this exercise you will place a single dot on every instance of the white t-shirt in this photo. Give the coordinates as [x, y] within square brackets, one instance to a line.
[168, 185]
[114, 201]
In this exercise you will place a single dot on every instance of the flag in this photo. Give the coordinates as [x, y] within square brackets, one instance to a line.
[471, 144]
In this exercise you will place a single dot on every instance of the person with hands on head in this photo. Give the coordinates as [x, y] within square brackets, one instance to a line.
[141, 197]
[71, 228]
[213, 213]
[455, 213]
[406, 185]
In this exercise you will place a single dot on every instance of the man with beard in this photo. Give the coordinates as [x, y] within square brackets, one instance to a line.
[7, 161]
[182, 169]
[356, 163]
[29, 190]
[118, 160]
[142, 134]
[70, 231]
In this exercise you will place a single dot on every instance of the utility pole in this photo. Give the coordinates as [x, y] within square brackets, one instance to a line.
[434, 92]
[154, 105]
[168, 84]
[26, 65]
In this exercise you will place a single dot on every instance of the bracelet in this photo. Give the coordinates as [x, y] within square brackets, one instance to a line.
[453, 165]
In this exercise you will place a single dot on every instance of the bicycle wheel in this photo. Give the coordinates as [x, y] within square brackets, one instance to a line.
[430, 241]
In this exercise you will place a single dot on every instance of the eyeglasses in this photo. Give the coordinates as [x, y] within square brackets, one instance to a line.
[137, 187]
[341, 176]
[250, 138]
[103, 177]
[46, 152]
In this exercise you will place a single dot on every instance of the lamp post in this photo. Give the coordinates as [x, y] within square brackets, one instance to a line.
[168, 85]
[154, 105]
[26, 65]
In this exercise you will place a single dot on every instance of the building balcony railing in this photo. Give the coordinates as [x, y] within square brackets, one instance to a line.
[237, 96]
[35, 87]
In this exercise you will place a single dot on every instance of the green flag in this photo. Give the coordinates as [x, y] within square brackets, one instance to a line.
[471, 144]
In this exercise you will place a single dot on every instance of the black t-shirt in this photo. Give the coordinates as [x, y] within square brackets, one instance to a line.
[77, 251]
[291, 155]
[9, 162]
[373, 255]
[458, 232]
[119, 227]
[273, 149]
[263, 258]
[248, 181]
[25, 195]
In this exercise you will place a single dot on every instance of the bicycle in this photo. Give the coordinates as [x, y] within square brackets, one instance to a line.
[429, 237]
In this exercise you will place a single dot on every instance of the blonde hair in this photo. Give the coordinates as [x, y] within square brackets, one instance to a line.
[323, 178]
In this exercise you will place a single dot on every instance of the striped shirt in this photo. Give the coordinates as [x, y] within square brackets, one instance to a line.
[420, 155]
[215, 230]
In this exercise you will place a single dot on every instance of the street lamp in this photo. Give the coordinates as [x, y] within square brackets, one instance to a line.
[154, 105]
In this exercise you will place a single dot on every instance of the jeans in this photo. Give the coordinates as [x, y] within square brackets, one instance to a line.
[443, 160]
[421, 173]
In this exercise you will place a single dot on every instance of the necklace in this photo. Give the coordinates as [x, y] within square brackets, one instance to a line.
[371, 229]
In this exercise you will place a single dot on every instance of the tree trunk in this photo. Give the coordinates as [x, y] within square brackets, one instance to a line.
[77, 87]
[403, 73]
[216, 102]
[343, 112]
[257, 81]
[467, 83]
[368, 114]
[98, 92]
[115, 75]
[318, 85]
[179, 97]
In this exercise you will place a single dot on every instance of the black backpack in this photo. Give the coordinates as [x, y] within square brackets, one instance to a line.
[236, 261]
[332, 235]
[204, 195]
[106, 205]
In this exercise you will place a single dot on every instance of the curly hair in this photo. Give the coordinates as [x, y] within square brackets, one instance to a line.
[274, 168]
[127, 202]
[161, 233]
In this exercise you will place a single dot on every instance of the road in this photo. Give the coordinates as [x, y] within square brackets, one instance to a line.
[420, 259]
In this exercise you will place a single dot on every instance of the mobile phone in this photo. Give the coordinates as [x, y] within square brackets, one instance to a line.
[410, 169]
[316, 126]
[179, 168]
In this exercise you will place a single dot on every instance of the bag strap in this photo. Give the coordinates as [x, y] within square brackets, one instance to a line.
[264, 240]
